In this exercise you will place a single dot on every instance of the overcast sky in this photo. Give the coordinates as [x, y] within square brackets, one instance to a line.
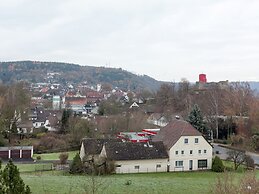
[165, 39]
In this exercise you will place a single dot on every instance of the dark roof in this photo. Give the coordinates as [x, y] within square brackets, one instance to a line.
[94, 146]
[135, 151]
[172, 132]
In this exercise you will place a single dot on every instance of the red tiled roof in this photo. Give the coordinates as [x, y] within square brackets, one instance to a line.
[172, 132]
[76, 100]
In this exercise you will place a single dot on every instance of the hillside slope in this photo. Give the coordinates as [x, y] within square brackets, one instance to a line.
[32, 71]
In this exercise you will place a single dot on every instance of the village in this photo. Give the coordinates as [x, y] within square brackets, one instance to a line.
[112, 131]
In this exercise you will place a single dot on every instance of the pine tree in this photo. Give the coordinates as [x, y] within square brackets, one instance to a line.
[65, 120]
[11, 182]
[76, 165]
[195, 118]
[217, 165]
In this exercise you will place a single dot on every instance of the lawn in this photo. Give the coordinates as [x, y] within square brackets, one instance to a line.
[32, 167]
[55, 156]
[179, 183]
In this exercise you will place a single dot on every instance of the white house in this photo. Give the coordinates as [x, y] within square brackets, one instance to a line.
[187, 148]
[136, 157]
[157, 119]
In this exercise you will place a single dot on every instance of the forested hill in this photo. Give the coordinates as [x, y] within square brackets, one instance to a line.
[32, 71]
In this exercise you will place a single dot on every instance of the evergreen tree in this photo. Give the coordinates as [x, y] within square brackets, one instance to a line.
[11, 182]
[65, 120]
[76, 165]
[217, 165]
[195, 118]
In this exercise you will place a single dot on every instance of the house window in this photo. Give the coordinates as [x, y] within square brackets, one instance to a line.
[137, 167]
[205, 151]
[196, 140]
[185, 140]
[118, 166]
[202, 163]
[158, 166]
[179, 163]
[176, 152]
[199, 151]
[182, 151]
[190, 151]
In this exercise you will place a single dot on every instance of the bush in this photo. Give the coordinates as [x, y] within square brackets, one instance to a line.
[249, 161]
[2, 141]
[38, 158]
[63, 158]
[51, 142]
[226, 183]
[102, 167]
[237, 140]
[217, 165]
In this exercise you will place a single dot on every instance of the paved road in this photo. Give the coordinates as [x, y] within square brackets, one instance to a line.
[222, 153]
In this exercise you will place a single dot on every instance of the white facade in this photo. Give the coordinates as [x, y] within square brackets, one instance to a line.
[161, 122]
[56, 103]
[141, 166]
[190, 153]
[82, 151]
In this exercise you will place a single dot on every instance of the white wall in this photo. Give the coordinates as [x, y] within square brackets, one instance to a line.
[145, 166]
[186, 157]
[82, 151]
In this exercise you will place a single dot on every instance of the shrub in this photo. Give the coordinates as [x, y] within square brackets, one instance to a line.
[38, 158]
[249, 161]
[51, 142]
[63, 158]
[2, 141]
[103, 167]
[217, 165]
[226, 184]
[237, 140]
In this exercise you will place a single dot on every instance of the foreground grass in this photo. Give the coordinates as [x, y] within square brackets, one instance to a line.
[55, 156]
[179, 183]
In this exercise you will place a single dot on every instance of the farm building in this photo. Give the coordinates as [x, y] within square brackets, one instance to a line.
[138, 157]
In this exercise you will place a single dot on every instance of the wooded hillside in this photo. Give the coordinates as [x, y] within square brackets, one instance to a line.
[34, 71]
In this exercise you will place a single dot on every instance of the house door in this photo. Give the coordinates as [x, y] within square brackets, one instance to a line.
[190, 164]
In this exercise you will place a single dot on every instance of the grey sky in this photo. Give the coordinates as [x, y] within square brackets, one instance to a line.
[166, 39]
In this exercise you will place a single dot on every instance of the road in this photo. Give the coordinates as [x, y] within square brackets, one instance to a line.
[222, 153]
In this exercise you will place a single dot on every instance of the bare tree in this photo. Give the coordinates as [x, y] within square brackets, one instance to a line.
[214, 97]
[238, 157]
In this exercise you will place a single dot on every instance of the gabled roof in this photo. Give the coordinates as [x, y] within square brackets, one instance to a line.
[94, 146]
[172, 132]
[135, 151]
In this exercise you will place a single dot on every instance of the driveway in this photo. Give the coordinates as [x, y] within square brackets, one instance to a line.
[222, 153]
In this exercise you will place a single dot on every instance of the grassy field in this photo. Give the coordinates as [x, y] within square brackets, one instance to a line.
[55, 156]
[179, 183]
[59, 182]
